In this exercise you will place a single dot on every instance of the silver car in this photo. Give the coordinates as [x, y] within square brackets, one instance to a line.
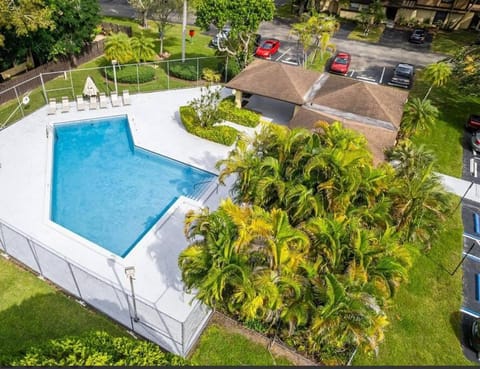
[476, 141]
[221, 36]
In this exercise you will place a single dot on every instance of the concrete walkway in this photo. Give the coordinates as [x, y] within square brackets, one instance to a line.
[461, 187]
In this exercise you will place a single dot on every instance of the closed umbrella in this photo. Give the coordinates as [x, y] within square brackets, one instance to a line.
[90, 89]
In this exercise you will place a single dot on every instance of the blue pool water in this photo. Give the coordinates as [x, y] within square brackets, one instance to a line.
[110, 192]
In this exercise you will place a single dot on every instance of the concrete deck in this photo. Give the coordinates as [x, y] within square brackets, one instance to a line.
[25, 174]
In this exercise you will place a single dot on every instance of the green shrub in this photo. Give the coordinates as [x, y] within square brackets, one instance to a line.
[211, 75]
[220, 134]
[128, 74]
[245, 117]
[184, 71]
[97, 348]
[231, 69]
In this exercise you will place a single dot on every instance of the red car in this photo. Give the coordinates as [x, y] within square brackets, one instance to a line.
[341, 63]
[267, 48]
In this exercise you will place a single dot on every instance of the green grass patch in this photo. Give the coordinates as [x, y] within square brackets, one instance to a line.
[33, 312]
[373, 35]
[424, 318]
[217, 346]
[449, 42]
[287, 11]
[445, 138]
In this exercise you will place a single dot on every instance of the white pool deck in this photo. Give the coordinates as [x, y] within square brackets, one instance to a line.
[24, 187]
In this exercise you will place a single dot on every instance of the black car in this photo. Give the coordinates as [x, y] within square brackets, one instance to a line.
[418, 36]
[403, 75]
[474, 336]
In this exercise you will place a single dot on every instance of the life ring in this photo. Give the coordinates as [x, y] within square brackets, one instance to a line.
[25, 100]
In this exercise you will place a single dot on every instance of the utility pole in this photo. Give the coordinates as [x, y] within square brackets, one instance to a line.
[184, 28]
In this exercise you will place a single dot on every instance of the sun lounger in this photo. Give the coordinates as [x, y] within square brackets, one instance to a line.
[93, 102]
[65, 104]
[52, 106]
[103, 100]
[126, 97]
[80, 103]
[115, 99]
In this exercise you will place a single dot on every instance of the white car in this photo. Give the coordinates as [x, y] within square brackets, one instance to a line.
[221, 36]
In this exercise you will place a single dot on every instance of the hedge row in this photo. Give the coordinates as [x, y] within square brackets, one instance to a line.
[233, 114]
[221, 134]
[128, 74]
[184, 71]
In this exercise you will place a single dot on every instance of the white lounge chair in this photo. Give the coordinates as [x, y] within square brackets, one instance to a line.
[103, 100]
[65, 104]
[93, 104]
[115, 99]
[52, 106]
[126, 97]
[80, 103]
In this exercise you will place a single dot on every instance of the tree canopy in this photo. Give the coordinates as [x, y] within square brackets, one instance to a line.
[243, 16]
[316, 239]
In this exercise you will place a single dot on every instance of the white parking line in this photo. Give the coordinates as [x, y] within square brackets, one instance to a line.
[367, 79]
[381, 77]
[351, 73]
[281, 56]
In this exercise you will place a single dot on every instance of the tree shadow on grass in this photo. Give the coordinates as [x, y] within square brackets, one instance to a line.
[45, 317]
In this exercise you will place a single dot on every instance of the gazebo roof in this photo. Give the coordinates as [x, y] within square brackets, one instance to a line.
[276, 80]
[375, 104]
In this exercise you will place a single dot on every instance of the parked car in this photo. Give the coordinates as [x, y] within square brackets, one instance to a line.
[473, 122]
[221, 36]
[340, 63]
[418, 36]
[267, 48]
[474, 336]
[257, 38]
[403, 75]
[476, 141]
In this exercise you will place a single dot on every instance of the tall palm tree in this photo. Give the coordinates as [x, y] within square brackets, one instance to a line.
[143, 48]
[437, 74]
[117, 47]
[419, 114]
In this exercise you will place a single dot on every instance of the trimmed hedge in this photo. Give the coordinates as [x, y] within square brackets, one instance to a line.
[184, 71]
[220, 134]
[233, 114]
[128, 74]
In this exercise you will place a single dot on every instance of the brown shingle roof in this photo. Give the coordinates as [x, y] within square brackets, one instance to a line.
[374, 102]
[275, 80]
[378, 139]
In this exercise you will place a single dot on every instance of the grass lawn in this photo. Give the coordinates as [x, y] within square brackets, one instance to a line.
[449, 42]
[32, 312]
[217, 346]
[445, 138]
[373, 36]
[424, 318]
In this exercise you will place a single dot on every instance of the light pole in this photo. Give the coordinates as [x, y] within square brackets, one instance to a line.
[184, 28]
[114, 63]
[130, 273]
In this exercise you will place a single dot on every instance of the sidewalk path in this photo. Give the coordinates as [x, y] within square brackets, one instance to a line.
[459, 186]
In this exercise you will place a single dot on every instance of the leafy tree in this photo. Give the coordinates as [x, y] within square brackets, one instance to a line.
[97, 349]
[162, 12]
[437, 74]
[143, 48]
[24, 17]
[207, 107]
[419, 114]
[373, 15]
[244, 18]
[316, 31]
[118, 47]
[466, 69]
[143, 8]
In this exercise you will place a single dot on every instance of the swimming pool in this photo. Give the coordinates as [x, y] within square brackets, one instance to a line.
[109, 191]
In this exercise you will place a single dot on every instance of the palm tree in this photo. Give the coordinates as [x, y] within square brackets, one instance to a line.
[143, 48]
[437, 74]
[418, 115]
[117, 47]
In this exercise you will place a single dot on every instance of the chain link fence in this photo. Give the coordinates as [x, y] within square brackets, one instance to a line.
[115, 301]
[34, 93]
